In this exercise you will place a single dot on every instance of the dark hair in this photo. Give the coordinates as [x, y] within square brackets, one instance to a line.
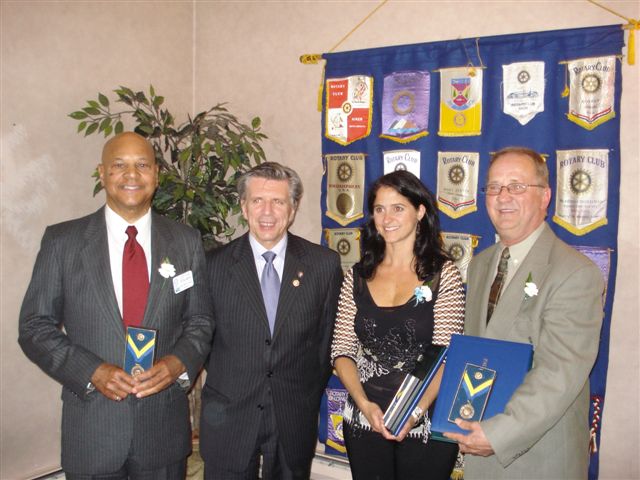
[428, 251]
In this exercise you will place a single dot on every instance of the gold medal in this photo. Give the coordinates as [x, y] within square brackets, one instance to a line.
[467, 411]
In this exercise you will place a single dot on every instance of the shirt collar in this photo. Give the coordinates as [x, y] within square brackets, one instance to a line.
[519, 251]
[118, 225]
[258, 249]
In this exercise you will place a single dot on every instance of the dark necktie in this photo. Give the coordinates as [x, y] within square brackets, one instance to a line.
[270, 285]
[135, 280]
[498, 282]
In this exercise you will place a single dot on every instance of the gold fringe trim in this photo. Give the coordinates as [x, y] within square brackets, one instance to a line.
[342, 220]
[579, 231]
[457, 213]
[405, 139]
[592, 125]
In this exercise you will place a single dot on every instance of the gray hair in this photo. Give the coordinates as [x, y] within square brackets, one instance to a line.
[542, 171]
[273, 171]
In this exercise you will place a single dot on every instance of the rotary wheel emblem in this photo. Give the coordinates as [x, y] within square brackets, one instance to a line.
[400, 166]
[344, 172]
[346, 108]
[456, 174]
[343, 247]
[591, 83]
[456, 251]
[524, 76]
[580, 182]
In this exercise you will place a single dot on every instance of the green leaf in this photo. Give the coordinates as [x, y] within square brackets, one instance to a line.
[92, 128]
[93, 103]
[255, 123]
[103, 100]
[145, 128]
[152, 91]
[119, 127]
[81, 126]
[78, 115]
[108, 130]
[104, 123]
[91, 110]
[157, 101]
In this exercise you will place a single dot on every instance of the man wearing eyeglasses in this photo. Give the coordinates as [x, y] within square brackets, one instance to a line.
[544, 430]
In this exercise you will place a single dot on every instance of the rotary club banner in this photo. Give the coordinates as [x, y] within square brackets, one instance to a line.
[601, 256]
[349, 102]
[402, 160]
[460, 248]
[457, 182]
[523, 90]
[460, 101]
[592, 89]
[581, 190]
[345, 187]
[336, 398]
[345, 241]
[405, 106]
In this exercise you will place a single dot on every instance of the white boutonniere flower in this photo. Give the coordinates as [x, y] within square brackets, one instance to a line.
[530, 288]
[167, 269]
[423, 294]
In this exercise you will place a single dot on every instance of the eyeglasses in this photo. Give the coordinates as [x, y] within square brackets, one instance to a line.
[513, 188]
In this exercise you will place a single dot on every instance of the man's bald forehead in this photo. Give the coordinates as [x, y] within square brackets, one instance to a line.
[123, 139]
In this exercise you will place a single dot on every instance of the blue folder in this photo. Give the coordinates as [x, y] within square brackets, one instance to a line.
[480, 376]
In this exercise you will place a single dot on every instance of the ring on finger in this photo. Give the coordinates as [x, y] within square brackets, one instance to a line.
[117, 398]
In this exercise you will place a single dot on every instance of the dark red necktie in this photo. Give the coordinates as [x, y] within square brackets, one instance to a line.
[135, 280]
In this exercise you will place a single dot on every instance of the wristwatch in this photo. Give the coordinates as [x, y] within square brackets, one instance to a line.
[417, 413]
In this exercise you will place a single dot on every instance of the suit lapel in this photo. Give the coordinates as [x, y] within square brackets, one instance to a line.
[245, 276]
[162, 246]
[483, 278]
[95, 259]
[512, 299]
[293, 270]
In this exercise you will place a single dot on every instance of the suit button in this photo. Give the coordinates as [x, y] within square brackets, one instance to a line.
[269, 374]
[260, 406]
[268, 342]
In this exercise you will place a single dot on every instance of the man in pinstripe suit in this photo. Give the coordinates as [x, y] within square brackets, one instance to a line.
[114, 425]
[267, 372]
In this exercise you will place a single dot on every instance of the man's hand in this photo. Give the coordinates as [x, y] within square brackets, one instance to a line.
[475, 443]
[113, 382]
[157, 378]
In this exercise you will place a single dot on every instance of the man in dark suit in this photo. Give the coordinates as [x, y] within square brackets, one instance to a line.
[552, 298]
[115, 425]
[274, 301]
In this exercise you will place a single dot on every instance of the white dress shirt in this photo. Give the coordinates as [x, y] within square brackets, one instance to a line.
[117, 236]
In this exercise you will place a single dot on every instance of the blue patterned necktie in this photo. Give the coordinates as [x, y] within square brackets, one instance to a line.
[270, 285]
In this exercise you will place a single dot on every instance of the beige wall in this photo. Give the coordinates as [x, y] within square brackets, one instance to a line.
[57, 55]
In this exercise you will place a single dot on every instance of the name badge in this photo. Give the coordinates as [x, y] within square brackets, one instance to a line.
[182, 282]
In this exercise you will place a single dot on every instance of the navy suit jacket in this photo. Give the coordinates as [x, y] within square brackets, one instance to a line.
[248, 366]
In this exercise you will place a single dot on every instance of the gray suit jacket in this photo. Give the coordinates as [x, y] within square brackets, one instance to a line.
[249, 367]
[71, 287]
[544, 431]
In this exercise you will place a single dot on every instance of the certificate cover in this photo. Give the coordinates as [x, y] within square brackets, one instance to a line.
[139, 350]
[413, 387]
[479, 378]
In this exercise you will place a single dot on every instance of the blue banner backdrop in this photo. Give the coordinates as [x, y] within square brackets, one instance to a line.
[548, 132]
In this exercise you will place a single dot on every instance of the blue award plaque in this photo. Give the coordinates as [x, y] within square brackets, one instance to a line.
[472, 394]
[139, 350]
[480, 376]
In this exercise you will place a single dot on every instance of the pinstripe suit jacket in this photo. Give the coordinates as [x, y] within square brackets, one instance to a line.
[544, 431]
[246, 362]
[72, 287]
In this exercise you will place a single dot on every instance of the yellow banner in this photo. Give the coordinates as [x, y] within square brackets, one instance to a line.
[460, 102]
